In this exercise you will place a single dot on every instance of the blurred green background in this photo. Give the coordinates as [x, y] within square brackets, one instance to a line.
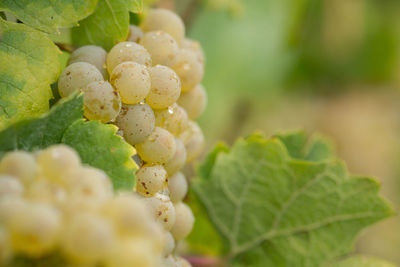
[331, 66]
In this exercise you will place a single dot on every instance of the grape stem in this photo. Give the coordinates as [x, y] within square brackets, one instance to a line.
[66, 47]
[204, 261]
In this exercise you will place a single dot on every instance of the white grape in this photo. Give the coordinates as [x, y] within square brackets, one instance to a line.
[150, 179]
[178, 187]
[162, 47]
[184, 221]
[189, 68]
[159, 147]
[135, 33]
[34, 228]
[43, 190]
[76, 77]
[127, 51]
[193, 139]
[171, 261]
[101, 102]
[164, 20]
[5, 249]
[88, 238]
[10, 187]
[184, 262]
[136, 122]
[132, 81]
[92, 54]
[19, 164]
[178, 160]
[169, 243]
[165, 87]
[195, 47]
[173, 119]
[57, 160]
[162, 209]
[9, 206]
[194, 101]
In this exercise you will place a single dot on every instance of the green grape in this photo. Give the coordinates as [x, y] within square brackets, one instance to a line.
[162, 47]
[159, 147]
[76, 77]
[150, 179]
[169, 243]
[34, 228]
[19, 164]
[127, 51]
[178, 187]
[91, 54]
[165, 87]
[189, 68]
[57, 160]
[184, 221]
[132, 81]
[178, 160]
[164, 20]
[195, 47]
[193, 139]
[174, 119]
[101, 102]
[136, 122]
[162, 209]
[10, 187]
[88, 238]
[135, 33]
[194, 101]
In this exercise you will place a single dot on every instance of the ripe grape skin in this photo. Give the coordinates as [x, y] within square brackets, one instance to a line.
[193, 139]
[10, 187]
[158, 148]
[132, 81]
[162, 209]
[150, 179]
[164, 20]
[87, 238]
[178, 160]
[127, 51]
[174, 119]
[195, 47]
[194, 101]
[137, 122]
[178, 187]
[165, 87]
[56, 160]
[34, 228]
[19, 164]
[171, 261]
[184, 221]
[189, 69]
[101, 102]
[169, 243]
[135, 33]
[76, 77]
[162, 47]
[91, 54]
[184, 262]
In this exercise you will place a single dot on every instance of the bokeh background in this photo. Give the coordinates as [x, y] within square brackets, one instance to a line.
[328, 66]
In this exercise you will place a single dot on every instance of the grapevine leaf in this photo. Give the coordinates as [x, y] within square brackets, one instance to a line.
[362, 261]
[108, 25]
[96, 143]
[29, 65]
[99, 146]
[49, 15]
[275, 210]
[135, 6]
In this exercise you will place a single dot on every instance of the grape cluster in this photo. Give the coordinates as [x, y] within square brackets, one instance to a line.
[51, 203]
[149, 86]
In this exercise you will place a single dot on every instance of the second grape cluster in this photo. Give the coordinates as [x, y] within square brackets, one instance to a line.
[149, 86]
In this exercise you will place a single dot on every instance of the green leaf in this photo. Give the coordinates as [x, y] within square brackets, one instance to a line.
[362, 261]
[135, 6]
[29, 64]
[275, 210]
[49, 15]
[99, 146]
[96, 143]
[107, 26]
